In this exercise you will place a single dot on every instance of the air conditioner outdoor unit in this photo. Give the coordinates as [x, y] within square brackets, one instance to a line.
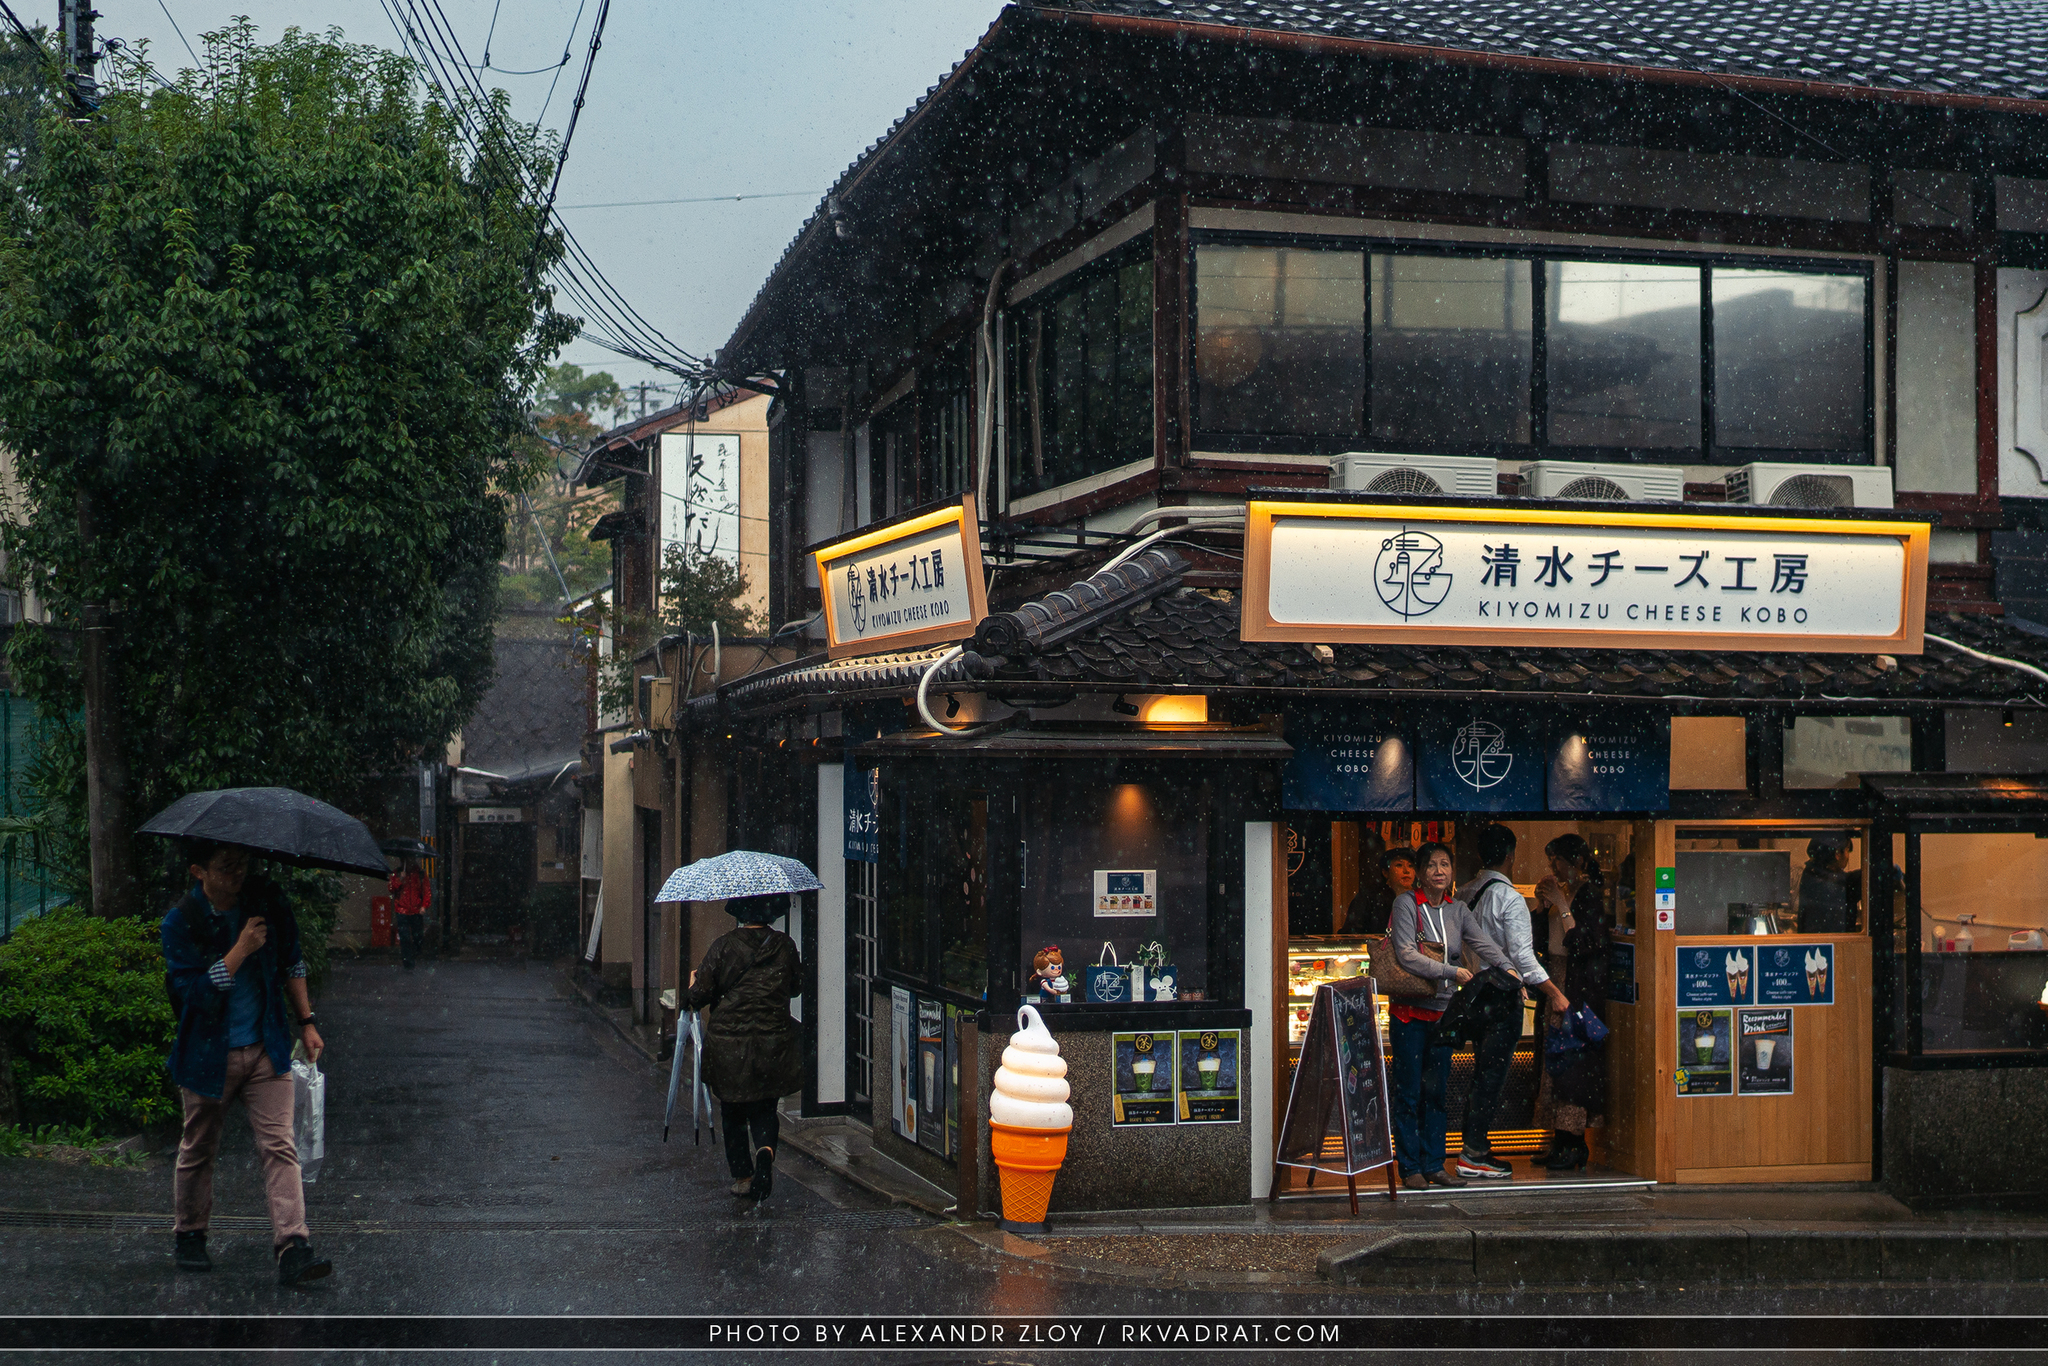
[1466, 476]
[1607, 483]
[1811, 486]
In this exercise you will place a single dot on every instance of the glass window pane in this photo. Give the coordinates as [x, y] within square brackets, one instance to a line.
[1623, 354]
[1789, 369]
[1982, 973]
[1450, 350]
[1279, 340]
[1080, 377]
[1832, 751]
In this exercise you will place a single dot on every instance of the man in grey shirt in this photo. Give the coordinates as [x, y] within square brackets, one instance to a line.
[1504, 914]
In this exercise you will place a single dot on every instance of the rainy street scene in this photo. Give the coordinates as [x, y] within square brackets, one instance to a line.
[1014, 681]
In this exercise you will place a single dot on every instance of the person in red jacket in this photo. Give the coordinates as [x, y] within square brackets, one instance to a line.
[414, 894]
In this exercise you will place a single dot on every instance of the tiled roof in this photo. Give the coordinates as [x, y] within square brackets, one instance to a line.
[1188, 640]
[1990, 48]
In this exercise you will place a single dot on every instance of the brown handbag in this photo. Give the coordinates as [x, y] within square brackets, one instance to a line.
[1392, 980]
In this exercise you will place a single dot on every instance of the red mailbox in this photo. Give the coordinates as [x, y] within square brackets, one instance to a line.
[380, 922]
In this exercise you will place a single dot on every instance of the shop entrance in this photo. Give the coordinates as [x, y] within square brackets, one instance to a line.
[1344, 871]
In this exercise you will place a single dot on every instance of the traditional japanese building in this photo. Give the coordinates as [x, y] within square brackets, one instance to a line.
[1214, 444]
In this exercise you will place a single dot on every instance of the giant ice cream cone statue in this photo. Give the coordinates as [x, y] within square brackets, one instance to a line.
[1029, 1120]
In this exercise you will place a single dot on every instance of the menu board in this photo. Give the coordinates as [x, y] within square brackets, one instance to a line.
[1764, 1051]
[1210, 1076]
[1340, 1086]
[1795, 975]
[1716, 975]
[1621, 972]
[1706, 1053]
[1142, 1074]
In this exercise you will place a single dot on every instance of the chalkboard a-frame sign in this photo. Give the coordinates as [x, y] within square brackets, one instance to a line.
[1339, 1092]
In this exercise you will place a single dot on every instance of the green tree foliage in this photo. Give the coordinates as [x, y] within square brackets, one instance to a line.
[698, 588]
[565, 418]
[282, 328]
[86, 1018]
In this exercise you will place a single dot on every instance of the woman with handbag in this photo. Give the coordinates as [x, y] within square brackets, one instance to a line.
[1578, 1076]
[1432, 935]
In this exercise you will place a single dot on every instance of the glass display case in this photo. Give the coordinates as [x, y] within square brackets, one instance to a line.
[1312, 962]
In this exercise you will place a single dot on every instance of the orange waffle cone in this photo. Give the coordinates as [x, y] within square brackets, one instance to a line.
[1026, 1195]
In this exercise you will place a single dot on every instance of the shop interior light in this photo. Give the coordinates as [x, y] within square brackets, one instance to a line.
[2005, 717]
[1167, 709]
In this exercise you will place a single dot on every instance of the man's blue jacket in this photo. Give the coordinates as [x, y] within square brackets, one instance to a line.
[196, 940]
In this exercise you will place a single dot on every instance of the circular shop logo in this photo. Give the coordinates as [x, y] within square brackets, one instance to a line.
[1702, 958]
[1479, 754]
[1109, 986]
[1410, 575]
[1783, 958]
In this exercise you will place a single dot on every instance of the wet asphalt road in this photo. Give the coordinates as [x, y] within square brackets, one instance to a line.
[494, 1149]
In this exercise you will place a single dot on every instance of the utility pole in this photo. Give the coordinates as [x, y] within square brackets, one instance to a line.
[112, 825]
[74, 31]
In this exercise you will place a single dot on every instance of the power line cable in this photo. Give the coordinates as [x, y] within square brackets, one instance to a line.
[566, 43]
[492, 31]
[180, 32]
[707, 199]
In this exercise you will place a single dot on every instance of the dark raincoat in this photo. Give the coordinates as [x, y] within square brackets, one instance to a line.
[753, 1049]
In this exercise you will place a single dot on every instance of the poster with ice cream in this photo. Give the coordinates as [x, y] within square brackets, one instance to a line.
[1716, 975]
[1795, 975]
[1764, 1054]
[1141, 1070]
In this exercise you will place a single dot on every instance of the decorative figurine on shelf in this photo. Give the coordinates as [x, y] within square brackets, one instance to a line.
[1049, 970]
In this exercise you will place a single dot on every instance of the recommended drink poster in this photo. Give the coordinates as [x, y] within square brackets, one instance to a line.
[1209, 1076]
[1763, 1064]
[1706, 1053]
[1142, 1071]
[1795, 975]
[1126, 891]
[1720, 975]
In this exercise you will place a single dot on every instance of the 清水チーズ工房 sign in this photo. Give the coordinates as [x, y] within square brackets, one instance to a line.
[1524, 574]
[904, 584]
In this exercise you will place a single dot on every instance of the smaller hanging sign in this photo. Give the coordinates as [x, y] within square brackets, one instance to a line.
[1209, 1076]
[1706, 1053]
[1142, 1075]
[1795, 974]
[1764, 1052]
[1716, 975]
[916, 581]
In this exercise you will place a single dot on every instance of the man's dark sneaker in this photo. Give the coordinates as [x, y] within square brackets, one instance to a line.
[764, 1173]
[192, 1252]
[1484, 1166]
[1444, 1178]
[297, 1263]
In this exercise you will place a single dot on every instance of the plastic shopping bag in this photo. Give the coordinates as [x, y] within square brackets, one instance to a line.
[309, 1118]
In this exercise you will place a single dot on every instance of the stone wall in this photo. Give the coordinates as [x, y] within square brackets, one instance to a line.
[1964, 1135]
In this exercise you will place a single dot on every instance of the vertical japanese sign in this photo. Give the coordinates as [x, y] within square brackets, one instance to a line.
[700, 493]
[908, 583]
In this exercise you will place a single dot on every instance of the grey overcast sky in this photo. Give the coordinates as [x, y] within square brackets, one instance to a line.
[689, 98]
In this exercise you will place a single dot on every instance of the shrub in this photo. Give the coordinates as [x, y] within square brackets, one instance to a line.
[83, 1006]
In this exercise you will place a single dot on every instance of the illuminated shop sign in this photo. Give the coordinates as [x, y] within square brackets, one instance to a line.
[1555, 577]
[911, 583]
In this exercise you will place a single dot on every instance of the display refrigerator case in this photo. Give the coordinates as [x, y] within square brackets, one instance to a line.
[1312, 962]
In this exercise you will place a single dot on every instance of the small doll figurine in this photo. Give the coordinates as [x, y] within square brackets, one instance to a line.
[1049, 967]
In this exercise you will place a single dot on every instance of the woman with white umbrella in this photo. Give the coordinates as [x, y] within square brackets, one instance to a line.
[753, 1048]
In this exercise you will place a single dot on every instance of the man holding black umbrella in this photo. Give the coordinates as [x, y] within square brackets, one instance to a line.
[238, 984]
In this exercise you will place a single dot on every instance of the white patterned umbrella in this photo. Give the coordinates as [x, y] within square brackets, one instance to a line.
[739, 873]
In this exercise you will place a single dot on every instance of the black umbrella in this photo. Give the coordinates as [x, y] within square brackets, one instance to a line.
[276, 822]
[405, 846]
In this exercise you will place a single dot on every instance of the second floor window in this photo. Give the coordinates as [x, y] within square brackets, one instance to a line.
[1332, 347]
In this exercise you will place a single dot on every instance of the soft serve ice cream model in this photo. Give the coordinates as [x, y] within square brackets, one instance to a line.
[1029, 1120]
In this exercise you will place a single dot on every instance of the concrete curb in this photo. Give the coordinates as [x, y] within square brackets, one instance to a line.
[1452, 1258]
[620, 1020]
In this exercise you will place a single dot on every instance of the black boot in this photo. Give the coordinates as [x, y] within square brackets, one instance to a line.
[764, 1173]
[1568, 1152]
[297, 1263]
[192, 1252]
